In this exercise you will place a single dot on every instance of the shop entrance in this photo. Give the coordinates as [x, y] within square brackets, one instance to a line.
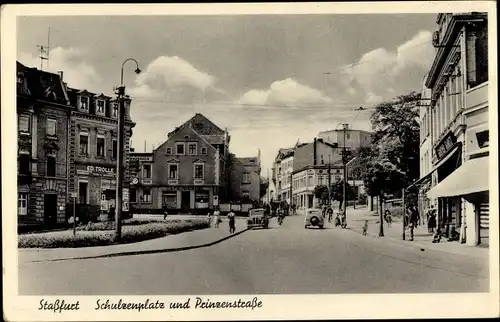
[185, 200]
[50, 210]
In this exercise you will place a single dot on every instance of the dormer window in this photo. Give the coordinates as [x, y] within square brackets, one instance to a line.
[84, 103]
[114, 110]
[100, 107]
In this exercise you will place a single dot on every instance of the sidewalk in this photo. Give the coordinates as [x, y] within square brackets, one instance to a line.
[422, 238]
[178, 242]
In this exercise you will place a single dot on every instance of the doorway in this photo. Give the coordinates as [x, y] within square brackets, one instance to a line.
[185, 200]
[50, 209]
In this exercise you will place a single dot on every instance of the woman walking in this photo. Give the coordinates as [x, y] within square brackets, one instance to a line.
[388, 217]
[216, 217]
[431, 219]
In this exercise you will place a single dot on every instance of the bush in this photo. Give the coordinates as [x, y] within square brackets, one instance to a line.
[101, 234]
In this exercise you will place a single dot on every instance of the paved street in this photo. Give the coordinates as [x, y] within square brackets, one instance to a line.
[284, 259]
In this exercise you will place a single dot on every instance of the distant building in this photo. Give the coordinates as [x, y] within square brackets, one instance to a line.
[245, 178]
[43, 112]
[455, 124]
[353, 138]
[281, 174]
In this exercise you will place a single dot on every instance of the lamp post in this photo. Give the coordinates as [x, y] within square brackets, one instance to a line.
[120, 93]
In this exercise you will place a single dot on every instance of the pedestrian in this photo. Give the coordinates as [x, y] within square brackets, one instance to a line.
[365, 228]
[431, 219]
[413, 220]
[209, 219]
[232, 220]
[388, 217]
[337, 220]
[216, 218]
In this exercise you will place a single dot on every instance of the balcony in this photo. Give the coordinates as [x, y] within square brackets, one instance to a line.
[476, 96]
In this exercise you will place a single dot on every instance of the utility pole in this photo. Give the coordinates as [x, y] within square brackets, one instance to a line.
[329, 181]
[344, 161]
[403, 215]
[119, 166]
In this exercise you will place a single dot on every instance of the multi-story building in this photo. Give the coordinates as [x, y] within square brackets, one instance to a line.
[455, 123]
[93, 148]
[186, 172]
[43, 112]
[281, 174]
[140, 171]
[245, 178]
[353, 138]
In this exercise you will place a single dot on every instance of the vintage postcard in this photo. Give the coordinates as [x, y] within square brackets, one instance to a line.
[250, 161]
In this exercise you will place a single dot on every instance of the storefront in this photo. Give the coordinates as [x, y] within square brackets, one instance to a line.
[96, 185]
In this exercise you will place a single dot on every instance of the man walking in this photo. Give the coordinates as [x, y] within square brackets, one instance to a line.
[232, 220]
[413, 220]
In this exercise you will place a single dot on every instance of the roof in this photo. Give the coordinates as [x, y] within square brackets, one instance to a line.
[202, 125]
[251, 161]
[41, 85]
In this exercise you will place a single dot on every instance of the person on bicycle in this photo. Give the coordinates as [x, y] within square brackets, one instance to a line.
[330, 214]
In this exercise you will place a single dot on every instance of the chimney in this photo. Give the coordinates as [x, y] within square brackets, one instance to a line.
[61, 74]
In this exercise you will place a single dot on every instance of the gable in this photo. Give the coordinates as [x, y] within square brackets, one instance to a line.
[203, 125]
[184, 134]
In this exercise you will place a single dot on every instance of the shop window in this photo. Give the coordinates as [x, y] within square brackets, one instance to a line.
[192, 148]
[483, 139]
[310, 181]
[146, 195]
[115, 149]
[146, 171]
[84, 143]
[22, 204]
[82, 192]
[51, 127]
[179, 148]
[170, 200]
[101, 145]
[199, 171]
[24, 124]
[24, 163]
[173, 171]
[51, 166]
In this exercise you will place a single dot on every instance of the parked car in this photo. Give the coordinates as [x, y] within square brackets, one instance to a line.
[257, 218]
[314, 218]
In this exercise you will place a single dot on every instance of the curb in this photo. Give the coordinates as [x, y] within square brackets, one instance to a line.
[408, 243]
[146, 252]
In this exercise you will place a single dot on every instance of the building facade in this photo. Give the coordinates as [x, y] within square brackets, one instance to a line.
[281, 174]
[245, 178]
[186, 173]
[43, 112]
[353, 138]
[93, 149]
[455, 122]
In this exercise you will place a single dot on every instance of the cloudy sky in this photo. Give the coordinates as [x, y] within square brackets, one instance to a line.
[270, 79]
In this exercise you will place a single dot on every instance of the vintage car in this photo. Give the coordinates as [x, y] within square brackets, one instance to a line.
[257, 218]
[314, 218]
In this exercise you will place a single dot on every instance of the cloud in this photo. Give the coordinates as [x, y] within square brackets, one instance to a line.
[287, 92]
[380, 74]
[176, 79]
[78, 73]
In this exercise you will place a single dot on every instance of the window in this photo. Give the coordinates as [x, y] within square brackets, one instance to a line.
[310, 181]
[51, 127]
[192, 148]
[179, 148]
[246, 178]
[203, 150]
[133, 195]
[169, 151]
[146, 171]
[100, 106]
[24, 123]
[246, 195]
[100, 146]
[320, 180]
[322, 161]
[114, 112]
[22, 204]
[24, 163]
[483, 139]
[51, 166]
[115, 149]
[199, 171]
[173, 171]
[84, 143]
[146, 195]
[84, 103]
[82, 192]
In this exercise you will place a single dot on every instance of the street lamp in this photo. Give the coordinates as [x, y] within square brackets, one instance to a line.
[120, 93]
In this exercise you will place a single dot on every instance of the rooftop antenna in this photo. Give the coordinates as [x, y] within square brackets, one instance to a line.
[44, 52]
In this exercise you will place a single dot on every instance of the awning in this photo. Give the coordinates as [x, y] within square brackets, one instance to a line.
[421, 180]
[440, 163]
[471, 177]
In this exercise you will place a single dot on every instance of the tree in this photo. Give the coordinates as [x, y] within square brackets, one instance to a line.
[321, 193]
[337, 192]
[393, 162]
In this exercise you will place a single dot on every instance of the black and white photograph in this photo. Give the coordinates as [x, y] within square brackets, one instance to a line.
[200, 162]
